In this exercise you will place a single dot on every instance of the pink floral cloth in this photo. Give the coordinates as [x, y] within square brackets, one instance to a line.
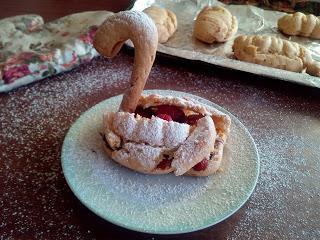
[31, 50]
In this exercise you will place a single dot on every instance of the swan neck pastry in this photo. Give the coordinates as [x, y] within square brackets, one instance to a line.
[139, 28]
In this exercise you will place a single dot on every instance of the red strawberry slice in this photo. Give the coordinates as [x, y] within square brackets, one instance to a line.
[173, 111]
[193, 119]
[144, 112]
[165, 163]
[201, 166]
[165, 117]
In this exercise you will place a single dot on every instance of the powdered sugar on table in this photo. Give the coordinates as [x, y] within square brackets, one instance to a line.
[283, 119]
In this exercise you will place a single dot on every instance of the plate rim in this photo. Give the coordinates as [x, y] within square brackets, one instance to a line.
[150, 231]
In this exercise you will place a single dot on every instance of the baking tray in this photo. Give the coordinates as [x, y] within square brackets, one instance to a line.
[252, 21]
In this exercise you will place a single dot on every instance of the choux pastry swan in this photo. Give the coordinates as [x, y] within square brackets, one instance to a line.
[156, 134]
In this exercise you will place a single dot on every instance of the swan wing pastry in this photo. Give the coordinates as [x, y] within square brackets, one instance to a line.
[275, 52]
[299, 24]
[215, 24]
[140, 29]
[156, 134]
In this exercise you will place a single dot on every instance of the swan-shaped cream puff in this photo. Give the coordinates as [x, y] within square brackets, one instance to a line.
[156, 134]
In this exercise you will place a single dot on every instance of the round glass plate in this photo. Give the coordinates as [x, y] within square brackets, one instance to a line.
[161, 204]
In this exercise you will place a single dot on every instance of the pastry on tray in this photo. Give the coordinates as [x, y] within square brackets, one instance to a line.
[299, 24]
[157, 134]
[215, 24]
[275, 52]
[165, 21]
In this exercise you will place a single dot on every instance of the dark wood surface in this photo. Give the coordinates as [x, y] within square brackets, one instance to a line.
[283, 118]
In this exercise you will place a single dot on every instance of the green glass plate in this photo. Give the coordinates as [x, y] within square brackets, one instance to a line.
[161, 204]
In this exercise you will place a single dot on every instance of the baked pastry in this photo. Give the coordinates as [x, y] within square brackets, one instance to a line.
[140, 29]
[157, 134]
[165, 21]
[299, 24]
[215, 24]
[167, 134]
[275, 52]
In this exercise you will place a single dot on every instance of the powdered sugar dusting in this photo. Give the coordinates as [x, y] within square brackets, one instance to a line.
[148, 27]
[36, 203]
[148, 156]
[35, 199]
[175, 133]
[287, 167]
[124, 125]
[150, 131]
[175, 204]
[155, 131]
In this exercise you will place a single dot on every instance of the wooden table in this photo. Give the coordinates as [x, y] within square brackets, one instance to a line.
[283, 118]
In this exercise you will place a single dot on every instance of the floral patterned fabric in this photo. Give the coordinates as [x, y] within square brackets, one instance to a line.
[31, 50]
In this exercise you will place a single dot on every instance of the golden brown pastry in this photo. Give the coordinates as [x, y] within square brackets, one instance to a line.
[167, 134]
[165, 21]
[157, 134]
[299, 24]
[275, 52]
[215, 24]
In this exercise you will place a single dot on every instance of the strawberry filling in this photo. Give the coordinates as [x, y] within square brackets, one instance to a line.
[201, 166]
[165, 117]
[165, 163]
[144, 112]
[174, 112]
[193, 119]
[169, 113]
